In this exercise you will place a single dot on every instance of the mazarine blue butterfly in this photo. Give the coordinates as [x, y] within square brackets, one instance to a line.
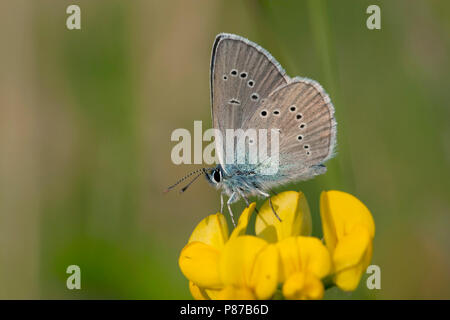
[250, 90]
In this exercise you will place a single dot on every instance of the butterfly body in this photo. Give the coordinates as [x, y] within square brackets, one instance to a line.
[245, 181]
[240, 179]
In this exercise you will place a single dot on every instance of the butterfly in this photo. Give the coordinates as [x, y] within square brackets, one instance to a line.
[250, 90]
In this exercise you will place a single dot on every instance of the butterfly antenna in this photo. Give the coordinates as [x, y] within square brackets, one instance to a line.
[202, 170]
[187, 186]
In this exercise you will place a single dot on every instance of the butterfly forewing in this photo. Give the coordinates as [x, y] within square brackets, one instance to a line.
[242, 75]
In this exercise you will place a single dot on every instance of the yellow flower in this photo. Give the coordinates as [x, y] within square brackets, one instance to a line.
[249, 269]
[348, 229]
[202, 253]
[293, 210]
[303, 260]
[219, 266]
[240, 266]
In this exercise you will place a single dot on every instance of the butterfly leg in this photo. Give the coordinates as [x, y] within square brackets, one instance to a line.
[248, 202]
[263, 193]
[273, 210]
[270, 203]
[221, 202]
[244, 197]
[231, 199]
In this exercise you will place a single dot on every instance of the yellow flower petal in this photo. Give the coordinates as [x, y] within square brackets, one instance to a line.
[351, 258]
[348, 229]
[302, 286]
[203, 294]
[213, 294]
[212, 230]
[241, 227]
[340, 213]
[264, 278]
[293, 210]
[305, 255]
[235, 293]
[238, 258]
[199, 263]
[197, 292]
[249, 262]
[351, 249]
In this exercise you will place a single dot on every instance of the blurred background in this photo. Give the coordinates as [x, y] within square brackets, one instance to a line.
[86, 118]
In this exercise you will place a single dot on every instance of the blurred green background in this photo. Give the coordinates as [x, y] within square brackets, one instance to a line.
[86, 118]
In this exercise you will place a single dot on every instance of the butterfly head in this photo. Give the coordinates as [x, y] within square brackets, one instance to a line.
[214, 176]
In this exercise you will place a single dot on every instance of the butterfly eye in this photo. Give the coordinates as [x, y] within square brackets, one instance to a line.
[217, 176]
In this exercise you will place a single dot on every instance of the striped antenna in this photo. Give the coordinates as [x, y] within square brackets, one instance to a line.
[202, 170]
[187, 186]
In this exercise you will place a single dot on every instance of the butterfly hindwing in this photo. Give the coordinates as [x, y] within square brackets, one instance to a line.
[304, 116]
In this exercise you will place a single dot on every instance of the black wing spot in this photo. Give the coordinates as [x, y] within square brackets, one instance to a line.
[234, 101]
